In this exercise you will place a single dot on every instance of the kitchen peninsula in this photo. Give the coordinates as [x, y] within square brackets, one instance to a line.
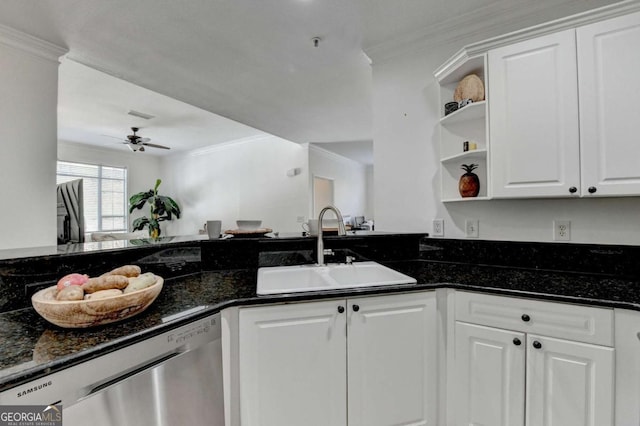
[204, 277]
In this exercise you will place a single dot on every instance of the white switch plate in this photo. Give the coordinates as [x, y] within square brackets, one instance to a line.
[471, 227]
[562, 230]
[438, 228]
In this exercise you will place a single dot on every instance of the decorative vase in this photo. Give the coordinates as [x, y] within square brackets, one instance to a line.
[469, 184]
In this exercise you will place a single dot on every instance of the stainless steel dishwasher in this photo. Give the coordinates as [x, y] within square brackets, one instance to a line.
[171, 379]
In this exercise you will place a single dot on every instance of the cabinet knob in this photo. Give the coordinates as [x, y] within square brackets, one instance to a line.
[340, 309]
[537, 344]
[356, 308]
[573, 190]
[526, 318]
[592, 189]
[517, 341]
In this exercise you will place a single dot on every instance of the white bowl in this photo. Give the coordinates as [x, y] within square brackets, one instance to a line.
[248, 225]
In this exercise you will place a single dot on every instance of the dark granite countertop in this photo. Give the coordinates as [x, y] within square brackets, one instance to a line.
[32, 347]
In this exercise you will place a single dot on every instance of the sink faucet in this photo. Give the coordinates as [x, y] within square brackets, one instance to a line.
[341, 231]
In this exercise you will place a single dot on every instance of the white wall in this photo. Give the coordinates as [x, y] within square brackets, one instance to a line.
[349, 180]
[28, 133]
[142, 169]
[370, 197]
[242, 180]
[407, 184]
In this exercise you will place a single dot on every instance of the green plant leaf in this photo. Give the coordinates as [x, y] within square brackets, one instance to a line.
[161, 208]
[137, 201]
[170, 206]
[140, 223]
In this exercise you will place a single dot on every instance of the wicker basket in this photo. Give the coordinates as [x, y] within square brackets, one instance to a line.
[92, 312]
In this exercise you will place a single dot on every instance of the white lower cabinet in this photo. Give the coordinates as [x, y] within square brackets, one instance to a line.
[360, 361]
[518, 378]
[569, 383]
[489, 381]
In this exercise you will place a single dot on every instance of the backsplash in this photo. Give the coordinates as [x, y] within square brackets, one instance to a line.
[20, 278]
[611, 260]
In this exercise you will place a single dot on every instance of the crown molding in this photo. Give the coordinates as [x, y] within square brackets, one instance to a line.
[569, 22]
[334, 156]
[30, 44]
[226, 145]
[466, 26]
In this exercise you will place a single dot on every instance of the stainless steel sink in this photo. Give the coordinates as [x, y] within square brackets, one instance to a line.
[304, 278]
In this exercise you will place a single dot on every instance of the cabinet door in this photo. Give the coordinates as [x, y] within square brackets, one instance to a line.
[392, 360]
[490, 372]
[569, 383]
[608, 60]
[293, 365]
[533, 117]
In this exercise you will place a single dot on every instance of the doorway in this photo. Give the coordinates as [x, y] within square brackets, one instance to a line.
[322, 194]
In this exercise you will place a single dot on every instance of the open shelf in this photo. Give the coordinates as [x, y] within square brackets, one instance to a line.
[455, 200]
[466, 124]
[465, 156]
[470, 112]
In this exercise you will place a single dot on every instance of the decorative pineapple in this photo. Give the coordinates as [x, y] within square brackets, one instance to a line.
[469, 184]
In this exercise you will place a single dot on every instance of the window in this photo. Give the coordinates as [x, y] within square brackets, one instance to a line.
[105, 190]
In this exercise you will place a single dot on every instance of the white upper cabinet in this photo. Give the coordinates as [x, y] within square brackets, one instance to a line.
[608, 64]
[561, 113]
[533, 117]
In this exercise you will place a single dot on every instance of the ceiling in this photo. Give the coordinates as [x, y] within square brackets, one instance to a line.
[250, 61]
[93, 108]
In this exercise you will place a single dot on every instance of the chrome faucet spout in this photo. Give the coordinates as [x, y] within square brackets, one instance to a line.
[341, 230]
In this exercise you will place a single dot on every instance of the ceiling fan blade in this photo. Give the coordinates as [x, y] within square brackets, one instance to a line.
[153, 145]
[115, 137]
[139, 140]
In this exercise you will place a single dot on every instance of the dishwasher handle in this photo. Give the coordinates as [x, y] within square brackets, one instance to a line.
[100, 386]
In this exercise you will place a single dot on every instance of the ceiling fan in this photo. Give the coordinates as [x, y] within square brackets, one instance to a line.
[138, 143]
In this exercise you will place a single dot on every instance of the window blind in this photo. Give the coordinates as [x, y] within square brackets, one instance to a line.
[105, 194]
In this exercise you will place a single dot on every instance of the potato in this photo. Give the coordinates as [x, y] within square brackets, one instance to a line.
[72, 279]
[74, 292]
[105, 282]
[138, 283]
[127, 271]
[101, 294]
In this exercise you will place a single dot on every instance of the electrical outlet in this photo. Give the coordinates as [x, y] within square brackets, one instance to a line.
[438, 228]
[471, 226]
[562, 230]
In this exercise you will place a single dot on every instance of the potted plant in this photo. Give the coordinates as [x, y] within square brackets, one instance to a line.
[162, 208]
[469, 184]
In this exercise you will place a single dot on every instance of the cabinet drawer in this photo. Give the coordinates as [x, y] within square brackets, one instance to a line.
[565, 321]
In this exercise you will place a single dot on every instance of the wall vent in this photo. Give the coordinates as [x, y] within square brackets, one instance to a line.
[141, 114]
